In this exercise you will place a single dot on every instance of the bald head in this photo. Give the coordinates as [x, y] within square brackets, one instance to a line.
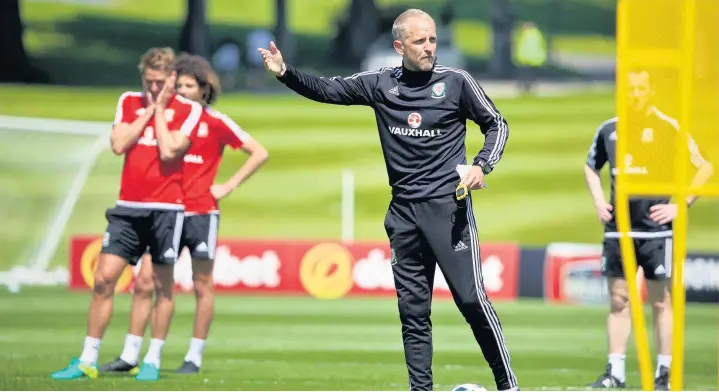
[415, 39]
[399, 27]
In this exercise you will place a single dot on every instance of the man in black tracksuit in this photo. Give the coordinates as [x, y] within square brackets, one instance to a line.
[652, 138]
[421, 109]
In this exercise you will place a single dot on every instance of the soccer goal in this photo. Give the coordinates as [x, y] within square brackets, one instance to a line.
[44, 165]
[675, 44]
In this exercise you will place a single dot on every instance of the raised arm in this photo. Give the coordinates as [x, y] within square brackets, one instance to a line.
[173, 143]
[351, 90]
[125, 131]
[477, 107]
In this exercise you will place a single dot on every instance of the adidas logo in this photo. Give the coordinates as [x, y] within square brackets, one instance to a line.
[460, 246]
[660, 270]
[169, 253]
[394, 90]
[201, 248]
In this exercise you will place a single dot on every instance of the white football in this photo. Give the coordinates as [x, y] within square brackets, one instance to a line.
[469, 387]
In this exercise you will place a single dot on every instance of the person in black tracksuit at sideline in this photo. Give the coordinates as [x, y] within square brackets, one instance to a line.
[651, 137]
[421, 110]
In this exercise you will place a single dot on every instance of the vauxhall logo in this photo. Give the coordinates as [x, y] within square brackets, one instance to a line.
[414, 120]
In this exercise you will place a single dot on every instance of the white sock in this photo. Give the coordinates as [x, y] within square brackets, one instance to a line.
[90, 351]
[194, 354]
[154, 352]
[131, 351]
[618, 362]
[663, 360]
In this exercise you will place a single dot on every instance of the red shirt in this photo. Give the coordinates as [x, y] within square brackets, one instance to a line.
[148, 182]
[213, 133]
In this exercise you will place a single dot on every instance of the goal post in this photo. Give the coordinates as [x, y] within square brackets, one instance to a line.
[44, 165]
[666, 53]
[54, 173]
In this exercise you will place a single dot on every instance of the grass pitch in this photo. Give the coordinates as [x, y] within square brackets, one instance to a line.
[536, 196]
[279, 343]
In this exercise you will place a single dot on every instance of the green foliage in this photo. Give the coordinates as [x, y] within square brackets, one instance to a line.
[99, 43]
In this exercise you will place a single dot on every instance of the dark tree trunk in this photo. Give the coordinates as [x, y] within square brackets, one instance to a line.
[14, 62]
[356, 31]
[194, 38]
[555, 5]
[364, 23]
[501, 64]
[282, 32]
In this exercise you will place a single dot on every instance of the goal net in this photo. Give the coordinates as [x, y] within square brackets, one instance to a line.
[44, 166]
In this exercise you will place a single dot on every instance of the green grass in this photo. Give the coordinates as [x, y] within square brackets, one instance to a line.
[536, 195]
[278, 343]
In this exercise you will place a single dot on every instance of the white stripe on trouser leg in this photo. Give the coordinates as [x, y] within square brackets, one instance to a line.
[212, 236]
[668, 255]
[482, 296]
[179, 220]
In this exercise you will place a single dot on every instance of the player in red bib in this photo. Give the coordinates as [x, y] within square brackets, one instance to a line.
[198, 82]
[152, 129]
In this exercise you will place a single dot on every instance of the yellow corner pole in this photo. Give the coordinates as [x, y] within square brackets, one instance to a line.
[622, 201]
[635, 300]
[681, 166]
[676, 376]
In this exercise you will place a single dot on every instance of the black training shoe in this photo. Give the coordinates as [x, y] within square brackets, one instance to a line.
[118, 365]
[661, 383]
[606, 380]
[188, 367]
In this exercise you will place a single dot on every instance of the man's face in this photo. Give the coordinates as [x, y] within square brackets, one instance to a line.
[153, 81]
[640, 91]
[188, 87]
[419, 46]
